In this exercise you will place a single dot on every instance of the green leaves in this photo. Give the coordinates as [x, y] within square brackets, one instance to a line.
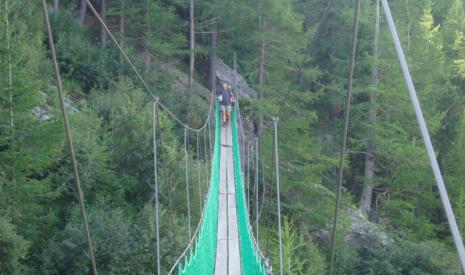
[13, 249]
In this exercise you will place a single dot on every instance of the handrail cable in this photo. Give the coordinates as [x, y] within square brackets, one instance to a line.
[194, 236]
[344, 135]
[186, 155]
[141, 79]
[155, 186]
[69, 138]
[254, 241]
[281, 265]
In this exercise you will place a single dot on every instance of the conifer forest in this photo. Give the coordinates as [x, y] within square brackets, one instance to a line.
[125, 181]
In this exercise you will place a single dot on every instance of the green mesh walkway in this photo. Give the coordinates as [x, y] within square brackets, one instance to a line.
[201, 260]
[250, 255]
[201, 257]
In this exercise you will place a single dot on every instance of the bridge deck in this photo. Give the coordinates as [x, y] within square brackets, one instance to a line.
[228, 256]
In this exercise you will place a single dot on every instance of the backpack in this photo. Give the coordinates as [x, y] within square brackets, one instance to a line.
[232, 98]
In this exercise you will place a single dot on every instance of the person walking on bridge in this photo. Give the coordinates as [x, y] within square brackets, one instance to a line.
[226, 99]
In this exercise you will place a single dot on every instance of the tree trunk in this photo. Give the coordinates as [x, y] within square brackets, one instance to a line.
[82, 12]
[146, 59]
[213, 38]
[191, 46]
[56, 5]
[367, 191]
[10, 94]
[121, 23]
[121, 30]
[261, 64]
[261, 72]
[334, 108]
[103, 14]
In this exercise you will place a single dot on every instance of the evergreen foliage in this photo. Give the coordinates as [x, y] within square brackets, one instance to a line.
[302, 81]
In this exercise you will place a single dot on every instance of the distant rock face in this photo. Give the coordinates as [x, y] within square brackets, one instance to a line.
[223, 73]
[363, 230]
[181, 81]
[41, 113]
[44, 112]
[226, 73]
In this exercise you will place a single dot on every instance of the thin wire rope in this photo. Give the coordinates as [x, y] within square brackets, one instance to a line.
[210, 143]
[69, 138]
[426, 138]
[192, 240]
[262, 203]
[281, 266]
[205, 156]
[248, 177]
[199, 171]
[141, 79]
[257, 247]
[344, 135]
[169, 181]
[186, 159]
[268, 223]
[155, 186]
[256, 186]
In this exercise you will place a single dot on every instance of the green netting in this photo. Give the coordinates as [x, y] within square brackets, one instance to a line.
[201, 260]
[251, 261]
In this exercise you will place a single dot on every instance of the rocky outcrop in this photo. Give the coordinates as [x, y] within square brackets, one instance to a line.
[226, 73]
[44, 112]
[223, 73]
[361, 231]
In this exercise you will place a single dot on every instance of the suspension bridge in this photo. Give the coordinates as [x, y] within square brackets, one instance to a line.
[223, 241]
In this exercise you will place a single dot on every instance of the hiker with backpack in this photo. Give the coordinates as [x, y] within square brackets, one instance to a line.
[226, 99]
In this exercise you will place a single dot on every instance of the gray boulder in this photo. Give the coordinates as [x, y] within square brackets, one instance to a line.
[226, 73]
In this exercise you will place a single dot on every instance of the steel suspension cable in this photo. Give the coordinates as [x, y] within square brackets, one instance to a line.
[426, 138]
[344, 135]
[186, 158]
[141, 79]
[69, 138]
[155, 186]
[256, 186]
[281, 266]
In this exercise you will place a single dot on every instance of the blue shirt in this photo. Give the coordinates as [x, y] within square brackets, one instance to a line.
[226, 95]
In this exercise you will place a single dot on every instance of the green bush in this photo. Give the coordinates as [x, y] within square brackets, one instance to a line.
[13, 249]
